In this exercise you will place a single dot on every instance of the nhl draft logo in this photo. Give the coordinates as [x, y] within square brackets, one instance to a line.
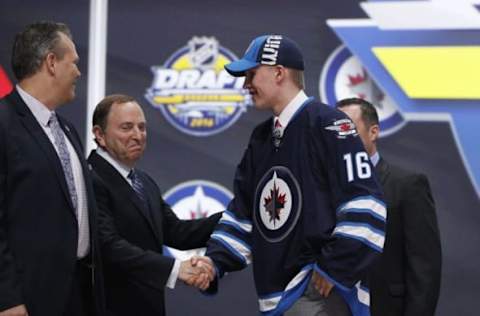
[277, 204]
[193, 200]
[195, 93]
[343, 76]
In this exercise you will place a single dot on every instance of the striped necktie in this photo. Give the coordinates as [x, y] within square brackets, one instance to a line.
[277, 133]
[137, 186]
[64, 155]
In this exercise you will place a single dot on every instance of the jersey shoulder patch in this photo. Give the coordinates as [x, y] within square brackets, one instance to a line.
[342, 127]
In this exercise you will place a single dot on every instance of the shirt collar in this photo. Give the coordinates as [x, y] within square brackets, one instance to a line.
[39, 110]
[292, 108]
[120, 167]
[375, 158]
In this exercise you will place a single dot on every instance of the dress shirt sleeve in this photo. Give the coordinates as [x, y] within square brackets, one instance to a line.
[172, 279]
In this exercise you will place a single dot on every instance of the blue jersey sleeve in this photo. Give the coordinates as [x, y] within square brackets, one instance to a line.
[359, 234]
[230, 244]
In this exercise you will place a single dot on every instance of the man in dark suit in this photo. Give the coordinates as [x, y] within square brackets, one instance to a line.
[48, 250]
[406, 279]
[135, 222]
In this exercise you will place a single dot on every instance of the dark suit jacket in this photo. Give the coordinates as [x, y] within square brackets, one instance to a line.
[38, 226]
[406, 279]
[132, 237]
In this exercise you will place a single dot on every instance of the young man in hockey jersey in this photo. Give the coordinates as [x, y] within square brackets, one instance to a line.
[306, 201]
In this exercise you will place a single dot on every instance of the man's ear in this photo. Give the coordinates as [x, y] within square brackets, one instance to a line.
[374, 132]
[50, 63]
[280, 73]
[99, 135]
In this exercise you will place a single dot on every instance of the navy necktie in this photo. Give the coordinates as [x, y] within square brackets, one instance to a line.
[137, 186]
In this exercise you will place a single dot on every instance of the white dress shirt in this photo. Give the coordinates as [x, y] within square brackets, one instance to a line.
[290, 110]
[375, 158]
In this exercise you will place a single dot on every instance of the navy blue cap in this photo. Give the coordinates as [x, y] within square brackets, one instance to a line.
[268, 50]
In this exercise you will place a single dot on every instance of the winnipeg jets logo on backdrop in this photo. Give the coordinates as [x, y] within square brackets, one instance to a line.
[193, 200]
[427, 59]
[277, 203]
[343, 76]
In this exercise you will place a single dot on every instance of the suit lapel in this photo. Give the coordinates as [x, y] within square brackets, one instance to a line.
[153, 204]
[382, 171]
[36, 131]
[113, 178]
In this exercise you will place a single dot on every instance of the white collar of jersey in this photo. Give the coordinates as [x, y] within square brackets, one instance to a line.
[39, 110]
[292, 108]
[121, 168]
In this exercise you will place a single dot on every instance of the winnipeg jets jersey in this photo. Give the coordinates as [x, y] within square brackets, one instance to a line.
[307, 201]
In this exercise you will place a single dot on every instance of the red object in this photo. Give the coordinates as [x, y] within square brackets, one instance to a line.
[277, 123]
[5, 85]
[345, 127]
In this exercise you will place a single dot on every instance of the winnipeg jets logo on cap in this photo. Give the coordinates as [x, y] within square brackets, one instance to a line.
[270, 50]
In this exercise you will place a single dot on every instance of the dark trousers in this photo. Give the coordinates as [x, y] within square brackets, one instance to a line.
[80, 302]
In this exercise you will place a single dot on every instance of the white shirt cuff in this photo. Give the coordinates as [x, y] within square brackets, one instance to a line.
[172, 279]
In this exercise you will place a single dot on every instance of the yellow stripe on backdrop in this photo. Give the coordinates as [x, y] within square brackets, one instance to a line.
[440, 72]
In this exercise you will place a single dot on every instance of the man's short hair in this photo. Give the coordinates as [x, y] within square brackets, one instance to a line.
[369, 113]
[33, 44]
[298, 78]
[102, 109]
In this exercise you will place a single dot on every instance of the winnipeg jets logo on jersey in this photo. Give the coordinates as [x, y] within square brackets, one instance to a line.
[343, 128]
[277, 203]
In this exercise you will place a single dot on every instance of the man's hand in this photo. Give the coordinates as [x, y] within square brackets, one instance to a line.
[322, 285]
[19, 310]
[198, 272]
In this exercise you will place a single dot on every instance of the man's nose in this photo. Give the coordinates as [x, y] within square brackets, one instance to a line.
[246, 84]
[137, 133]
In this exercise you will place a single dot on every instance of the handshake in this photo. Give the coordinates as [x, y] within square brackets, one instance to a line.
[197, 271]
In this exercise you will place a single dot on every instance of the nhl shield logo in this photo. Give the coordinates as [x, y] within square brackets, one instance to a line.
[193, 200]
[203, 52]
[277, 204]
[343, 76]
